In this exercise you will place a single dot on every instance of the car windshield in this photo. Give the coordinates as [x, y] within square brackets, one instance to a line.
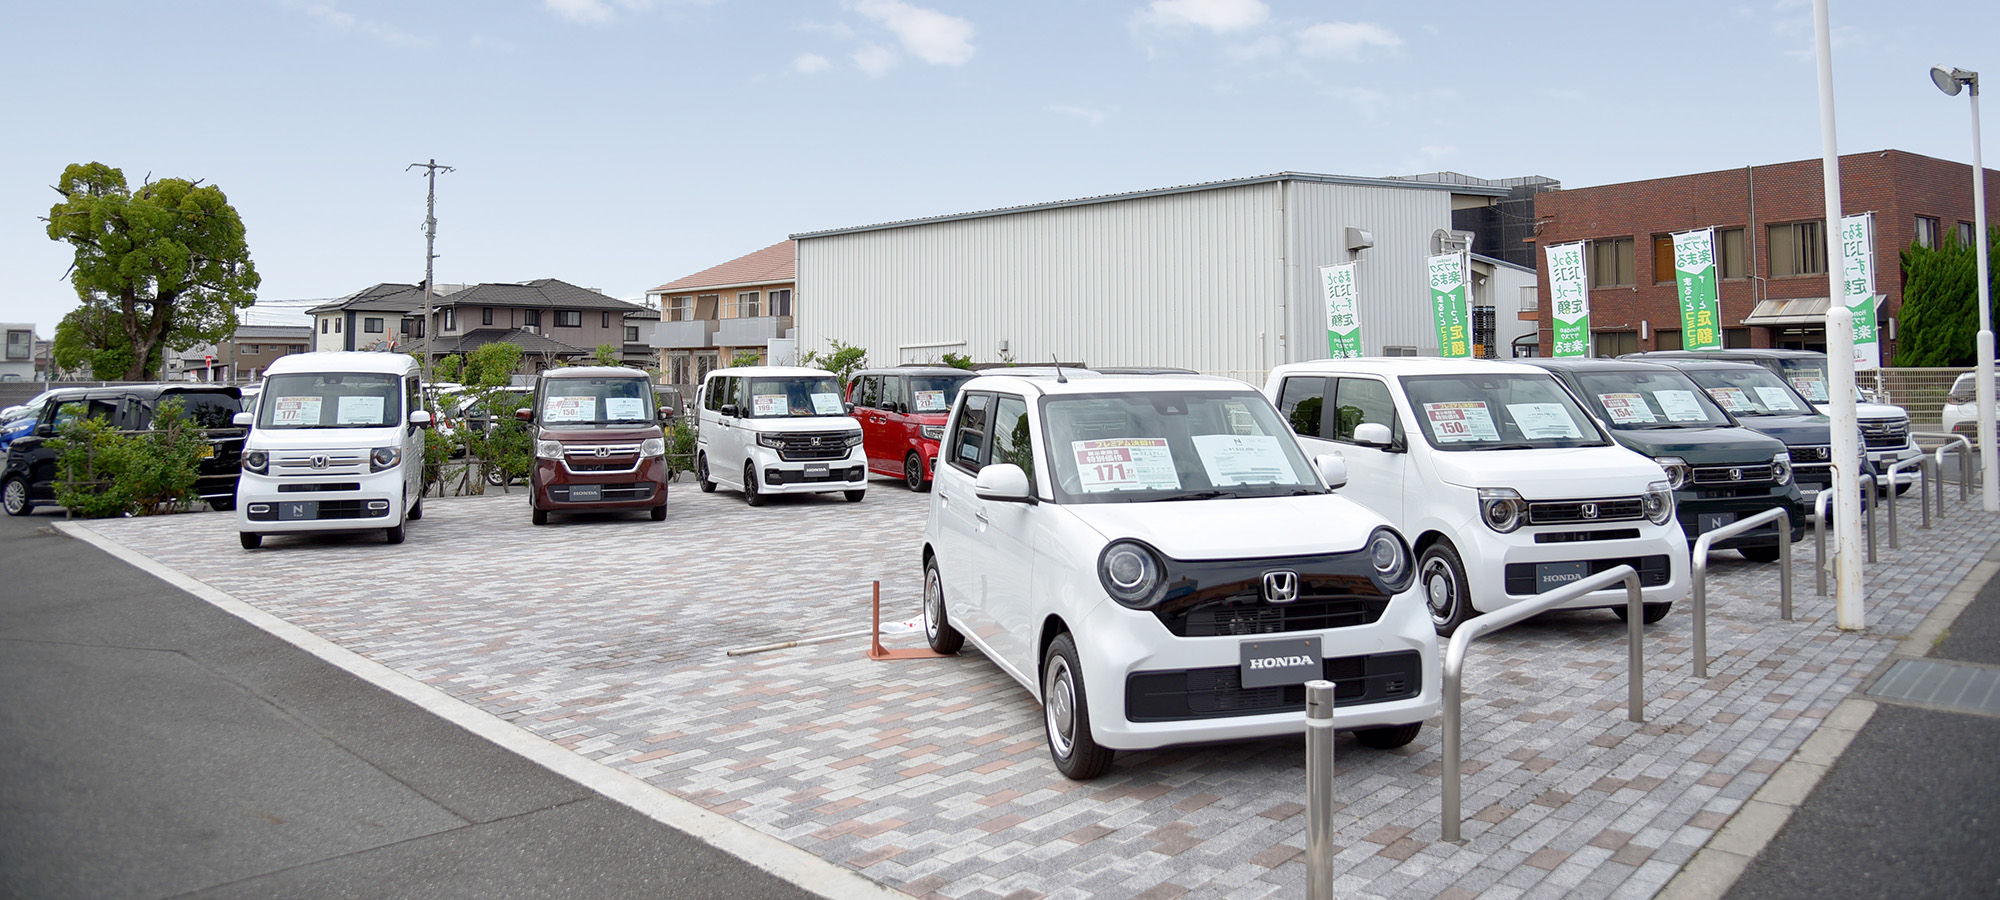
[1171, 445]
[331, 400]
[596, 401]
[1808, 377]
[784, 396]
[1751, 391]
[208, 410]
[1646, 400]
[935, 393]
[1491, 411]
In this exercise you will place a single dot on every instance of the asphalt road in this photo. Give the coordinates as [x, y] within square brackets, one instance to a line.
[152, 745]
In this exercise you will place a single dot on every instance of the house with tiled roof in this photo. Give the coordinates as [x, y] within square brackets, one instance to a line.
[708, 318]
[551, 320]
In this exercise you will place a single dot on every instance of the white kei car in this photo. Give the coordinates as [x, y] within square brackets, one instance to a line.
[1506, 485]
[1156, 561]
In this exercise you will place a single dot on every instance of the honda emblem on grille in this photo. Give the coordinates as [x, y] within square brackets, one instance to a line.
[319, 462]
[1281, 587]
[1588, 510]
[815, 440]
[603, 452]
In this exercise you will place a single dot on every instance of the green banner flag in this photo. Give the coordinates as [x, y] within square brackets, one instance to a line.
[1701, 309]
[1343, 321]
[1857, 239]
[1451, 304]
[1569, 300]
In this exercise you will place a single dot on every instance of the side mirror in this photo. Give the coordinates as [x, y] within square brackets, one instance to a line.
[666, 413]
[45, 431]
[1003, 481]
[243, 419]
[1333, 468]
[849, 407]
[1372, 434]
[525, 415]
[421, 418]
[729, 410]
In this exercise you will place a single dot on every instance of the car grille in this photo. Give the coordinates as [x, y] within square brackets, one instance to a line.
[1226, 597]
[1816, 454]
[815, 445]
[1563, 512]
[1653, 572]
[601, 457]
[1885, 435]
[1165, 696]
[1731, 474]
[319, 464]
[607, 492]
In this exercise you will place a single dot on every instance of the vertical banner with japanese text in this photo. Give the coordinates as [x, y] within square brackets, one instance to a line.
[1857, 239]
[1569, 300]
[1451, 304]
[1343, 321]
[1694, 273]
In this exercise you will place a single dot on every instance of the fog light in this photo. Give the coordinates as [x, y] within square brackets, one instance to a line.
[260, 508]
[378, 504]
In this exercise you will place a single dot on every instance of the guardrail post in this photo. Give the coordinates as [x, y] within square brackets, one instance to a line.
[1319, 790]
[1453, 669]
[1868, 495]
[1820, 512]
[1707, 542]
[1895, 469]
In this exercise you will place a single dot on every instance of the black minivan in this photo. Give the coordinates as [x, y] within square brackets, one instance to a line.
[29, 479]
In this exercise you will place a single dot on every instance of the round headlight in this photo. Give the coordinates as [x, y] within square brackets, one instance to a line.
[1658, 503]
[255, 461]
[383, 457]
[1677, 471]
[653, 447]
[1502, 509]
[1781, 468]
[548, 450]
[1390, 559]
[1132, 574]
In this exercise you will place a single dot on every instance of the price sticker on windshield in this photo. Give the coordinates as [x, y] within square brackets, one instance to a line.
[1812, 386]
[1461, 420]
[568, 409]
[930, 401]
[827, 404]
[1544, 421]
[1732, 399]
[1680, 406]
[770, 405]
[1626, 409]
[1124, 464]
[1775, 398]
[358, 411]
[295, 412]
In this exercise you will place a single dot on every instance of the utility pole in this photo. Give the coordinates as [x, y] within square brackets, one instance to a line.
[430, 245]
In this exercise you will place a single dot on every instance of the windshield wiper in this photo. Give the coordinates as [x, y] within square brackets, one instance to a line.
[1198, 495]
[1509, 447]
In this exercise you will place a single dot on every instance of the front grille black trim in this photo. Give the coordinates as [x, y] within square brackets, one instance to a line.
[1218, 598]
[1654, 571]
[1217, 693]
[1571, 512]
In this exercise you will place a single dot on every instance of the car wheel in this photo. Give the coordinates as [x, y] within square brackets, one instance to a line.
[1902, 489]
[416, 510]
[1388, 737]
[1442, 575]
[251, 540]
[1759, 554]
[854, 496]
[937, 626]
[1066, 714]
[913, 474]
[394, 533]
[14, 496]
[222, 504]
[495, 475]
[539, 516]
[660, 513]
[1649, 613]
[750, 494]
[701, 474]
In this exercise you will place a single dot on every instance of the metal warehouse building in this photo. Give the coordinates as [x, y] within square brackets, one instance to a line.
[1221, 277]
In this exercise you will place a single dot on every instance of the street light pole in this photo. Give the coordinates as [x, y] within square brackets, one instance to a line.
[1846, 444]
[1949, 80]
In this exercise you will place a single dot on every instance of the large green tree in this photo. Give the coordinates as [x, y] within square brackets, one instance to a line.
[163, 266]
[1939, 320]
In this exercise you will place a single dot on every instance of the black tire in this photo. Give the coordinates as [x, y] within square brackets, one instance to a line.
[701, 474]
[394, 534]
[937, 623]
[1759, 554]
[496, 476]
[750, 494]
[660, 513]
[222, 504]
[1066, 714]
[1902, 489]
[14, 496]
[539, 516]
[1388, 737]
[1442, 575]
[913, 474]
[1649, 613]
[416, 510]
[250, 540]
[854, 496]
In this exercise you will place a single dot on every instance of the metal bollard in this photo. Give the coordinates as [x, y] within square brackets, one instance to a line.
[1319, 790]
[1707, 542]
[1894, 470]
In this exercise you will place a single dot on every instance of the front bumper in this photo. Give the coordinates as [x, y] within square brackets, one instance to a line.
[278, 505]
[779, 476]
[642, 487]
[1502, 569]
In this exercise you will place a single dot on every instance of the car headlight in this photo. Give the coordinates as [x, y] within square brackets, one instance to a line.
[384, 458]
[1781, 468]
[773, 441]
[933, 432]
[548, 450]
[1502, 509]
[1658, 502]
[854, 439]
[1677, 471]
[255, 461]
[1391, 560]
[1132, 574]
[653, 447]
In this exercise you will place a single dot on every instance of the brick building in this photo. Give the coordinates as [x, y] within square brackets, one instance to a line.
[1770, 245]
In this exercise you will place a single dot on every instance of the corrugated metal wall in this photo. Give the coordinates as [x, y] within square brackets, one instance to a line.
[1392, 284]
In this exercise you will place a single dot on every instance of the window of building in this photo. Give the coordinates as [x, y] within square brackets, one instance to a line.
[1615, 343]
[1611, 263]
[450, 319]
[1797, 248]
[569, 318]
[1732, 258]
[781, 303]
[631, 334]
[1401, 350]
[1735, 338]
[1927, 231]
[679, 309]
[247, 349]
[607, 319]
[486, 315]
[708, 306]
[322, 326]
[1663, 259]
[371, 325]
[1666, 339]
[747, 306]
[20, 344]
[413, 327]
[531, 317]
[297, 348]
[1965, 234]
[336, 326]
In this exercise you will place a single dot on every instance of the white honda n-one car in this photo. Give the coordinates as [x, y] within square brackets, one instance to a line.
[1154, 558]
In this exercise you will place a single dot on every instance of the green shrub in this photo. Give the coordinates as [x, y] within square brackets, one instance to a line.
[103, 472]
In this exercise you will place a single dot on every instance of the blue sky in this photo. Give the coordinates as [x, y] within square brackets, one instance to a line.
[620, 144]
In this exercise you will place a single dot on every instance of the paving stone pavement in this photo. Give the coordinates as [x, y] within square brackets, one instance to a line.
[605, 634]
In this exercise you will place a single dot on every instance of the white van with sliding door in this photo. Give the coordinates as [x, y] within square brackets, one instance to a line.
[336, 444]
[778, 430]
[1505, 486]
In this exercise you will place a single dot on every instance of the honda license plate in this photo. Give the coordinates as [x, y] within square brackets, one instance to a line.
[585, 493]
[816, 470]
[294, 510]
[1281, 662]
[1549, 576]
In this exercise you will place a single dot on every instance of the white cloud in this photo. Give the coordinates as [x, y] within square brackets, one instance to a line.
[809, 63]
[1094, 117]
[927, 34]
[593, 10]
[875, 59]
[1219, 16]
[1262, 48]
[1345, 39]
[335, 19]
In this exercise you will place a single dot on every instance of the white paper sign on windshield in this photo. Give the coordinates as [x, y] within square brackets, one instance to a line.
[568, 409]
[1732, 399]
[827, 404]
[295, 412]
[1243, 459]
[1626, 409]
[930, 401]
[1813, 386]
[1680, 406]
[358, 411]
[624, 409]
[1775, 398]
[1124, 464]
[770, 405]
[1544, 421]
[1460, 420]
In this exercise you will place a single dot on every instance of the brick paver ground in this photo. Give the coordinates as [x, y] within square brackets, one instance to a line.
[606, 636]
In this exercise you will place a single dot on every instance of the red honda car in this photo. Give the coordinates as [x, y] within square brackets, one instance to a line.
[902, 413]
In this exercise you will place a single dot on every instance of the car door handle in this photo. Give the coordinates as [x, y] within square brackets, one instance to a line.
[981, 516]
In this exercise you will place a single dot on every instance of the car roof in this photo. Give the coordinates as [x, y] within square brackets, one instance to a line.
[1730, 353]
[1598, 364]
[913, 370]
[1407, 365]
[1097, 383]
[358, 361]
[594, 372]
[754, 371]
[1685, 362]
